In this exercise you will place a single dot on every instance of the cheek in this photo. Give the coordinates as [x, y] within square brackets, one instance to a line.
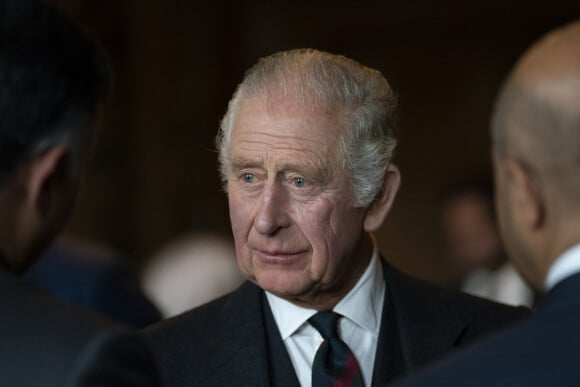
[239, 212]
[240, 219]
[333, 231]
[240, 222]
[347, 228]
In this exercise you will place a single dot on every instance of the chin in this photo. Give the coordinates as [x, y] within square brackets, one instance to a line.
[283, 285]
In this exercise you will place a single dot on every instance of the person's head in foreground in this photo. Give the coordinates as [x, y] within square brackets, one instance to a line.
[536, 154]
[52, 81]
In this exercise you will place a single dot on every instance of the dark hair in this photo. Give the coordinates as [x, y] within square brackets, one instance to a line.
[481, 187]
[52, 79]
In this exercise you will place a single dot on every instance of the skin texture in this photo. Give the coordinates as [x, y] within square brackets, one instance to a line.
[296, 230]
[537, 188]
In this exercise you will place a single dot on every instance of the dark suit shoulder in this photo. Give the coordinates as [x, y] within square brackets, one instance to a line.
[542, 351]
[421, 288]
[115, 358]
[29, 306]
[67, 345]
[197, 345]
[200, 321]
[417, 301]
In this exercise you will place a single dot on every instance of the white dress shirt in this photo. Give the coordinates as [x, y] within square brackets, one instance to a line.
[362, 309]
[567, 264]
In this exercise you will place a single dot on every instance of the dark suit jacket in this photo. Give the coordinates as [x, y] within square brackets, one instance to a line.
[542, 351]
[94, 281]
[46, 343]
[234, 340]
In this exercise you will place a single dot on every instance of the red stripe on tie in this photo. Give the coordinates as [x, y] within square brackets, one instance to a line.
[348, 373]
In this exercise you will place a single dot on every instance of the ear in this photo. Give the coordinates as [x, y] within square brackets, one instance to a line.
[50, 182]
[528, 199]
[378, 210]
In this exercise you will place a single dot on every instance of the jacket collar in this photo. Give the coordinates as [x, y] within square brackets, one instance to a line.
[415, 326]
[243, 353]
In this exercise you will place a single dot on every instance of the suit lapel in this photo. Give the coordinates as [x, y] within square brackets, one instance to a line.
[240, 356]
[414, 328]
[251, 352]
[389, 359]
[281, 369]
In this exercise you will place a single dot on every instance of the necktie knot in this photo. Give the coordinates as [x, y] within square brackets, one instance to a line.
[334, 364]
[326, 324]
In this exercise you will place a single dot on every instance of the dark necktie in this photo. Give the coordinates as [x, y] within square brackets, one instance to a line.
[334, 364]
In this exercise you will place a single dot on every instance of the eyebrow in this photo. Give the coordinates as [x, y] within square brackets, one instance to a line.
[310, 171]
[238, 164]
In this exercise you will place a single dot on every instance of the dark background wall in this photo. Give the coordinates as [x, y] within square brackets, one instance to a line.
[177, 62]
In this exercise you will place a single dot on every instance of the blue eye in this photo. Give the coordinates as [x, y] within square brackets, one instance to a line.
[299, 182]
[248, 178]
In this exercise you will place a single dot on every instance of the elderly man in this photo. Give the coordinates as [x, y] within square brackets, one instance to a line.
[536, 132]
[305, 153]
[52, 79]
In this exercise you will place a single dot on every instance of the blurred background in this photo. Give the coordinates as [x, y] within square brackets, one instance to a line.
[177, 62]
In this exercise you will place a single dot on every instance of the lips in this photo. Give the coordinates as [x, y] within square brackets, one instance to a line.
[277, 253]
[278, 256]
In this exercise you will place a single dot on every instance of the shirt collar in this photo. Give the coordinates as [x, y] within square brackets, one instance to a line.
[565, 265]
[363, 304]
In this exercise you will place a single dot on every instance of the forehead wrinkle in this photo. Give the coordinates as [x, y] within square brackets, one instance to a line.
[295, 137]
[258, 141]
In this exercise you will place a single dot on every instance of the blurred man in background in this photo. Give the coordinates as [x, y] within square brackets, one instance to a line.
[536, 154]
[52, 81]
[474, 247]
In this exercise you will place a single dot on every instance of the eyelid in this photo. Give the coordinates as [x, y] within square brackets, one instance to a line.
[309, 184]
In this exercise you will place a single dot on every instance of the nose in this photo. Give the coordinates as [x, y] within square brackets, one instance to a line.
[273, 211]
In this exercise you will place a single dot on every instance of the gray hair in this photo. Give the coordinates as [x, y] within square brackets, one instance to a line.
[362, 95]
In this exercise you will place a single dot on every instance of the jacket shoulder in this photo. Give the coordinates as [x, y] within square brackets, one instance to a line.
[65, 343]
[194, 324]
[437, 304]
[213, 335]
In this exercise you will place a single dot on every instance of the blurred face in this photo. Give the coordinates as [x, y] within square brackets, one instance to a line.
[296, 231]
[470, 232]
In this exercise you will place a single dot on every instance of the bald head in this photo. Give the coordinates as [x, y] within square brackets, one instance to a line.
[537, 117]
[536, 139]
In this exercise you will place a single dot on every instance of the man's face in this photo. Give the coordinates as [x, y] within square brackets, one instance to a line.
[296, 231]
[471, 234]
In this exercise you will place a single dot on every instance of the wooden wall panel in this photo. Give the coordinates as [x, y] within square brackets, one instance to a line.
[178, 61]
